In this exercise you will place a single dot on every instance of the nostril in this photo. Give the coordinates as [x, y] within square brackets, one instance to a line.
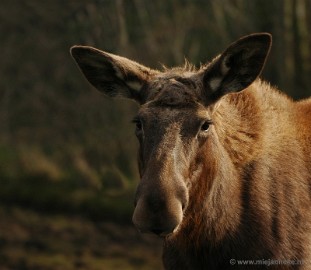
[183, 205]
[183, 197]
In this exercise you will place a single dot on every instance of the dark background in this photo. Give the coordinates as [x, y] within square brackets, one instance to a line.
[68, 154]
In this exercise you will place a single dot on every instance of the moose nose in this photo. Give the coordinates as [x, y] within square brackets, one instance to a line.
[158, 220]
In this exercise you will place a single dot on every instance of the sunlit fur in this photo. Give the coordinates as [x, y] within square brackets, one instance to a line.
[252, 199]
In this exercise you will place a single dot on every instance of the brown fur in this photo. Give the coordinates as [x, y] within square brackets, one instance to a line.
[224, 158]
[259, 207]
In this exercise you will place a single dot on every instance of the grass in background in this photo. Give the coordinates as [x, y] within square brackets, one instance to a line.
[54, 217]
[32, 240]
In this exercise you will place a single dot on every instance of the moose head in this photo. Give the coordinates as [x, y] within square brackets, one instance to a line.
[175, 124]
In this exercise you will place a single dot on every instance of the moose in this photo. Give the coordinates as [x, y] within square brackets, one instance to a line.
[224, 158]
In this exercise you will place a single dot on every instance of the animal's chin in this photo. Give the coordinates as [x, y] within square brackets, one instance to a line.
[165, 236]
[162, 235]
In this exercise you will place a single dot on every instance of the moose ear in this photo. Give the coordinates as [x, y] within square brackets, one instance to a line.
[111, 74]
[237, 67]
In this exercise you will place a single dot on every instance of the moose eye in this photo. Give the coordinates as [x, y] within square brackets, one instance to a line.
[138, 124]
[205, 125]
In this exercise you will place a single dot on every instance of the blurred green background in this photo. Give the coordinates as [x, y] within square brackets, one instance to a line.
[67, 154]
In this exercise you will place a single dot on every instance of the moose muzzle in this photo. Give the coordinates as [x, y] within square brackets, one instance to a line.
[159, 205]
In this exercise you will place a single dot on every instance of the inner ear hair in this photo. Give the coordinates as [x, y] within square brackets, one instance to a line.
[237, 67]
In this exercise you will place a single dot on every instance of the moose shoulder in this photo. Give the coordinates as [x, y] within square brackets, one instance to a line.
[224, 158]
